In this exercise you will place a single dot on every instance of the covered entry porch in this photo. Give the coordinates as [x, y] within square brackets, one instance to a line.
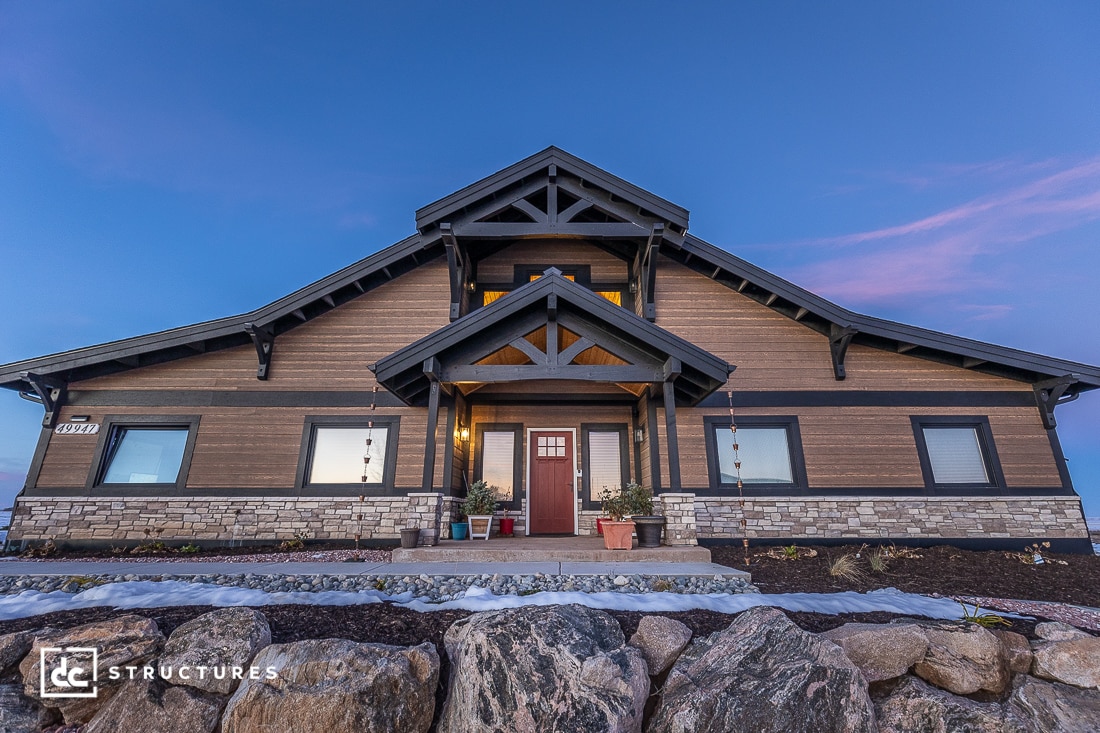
[551, 394]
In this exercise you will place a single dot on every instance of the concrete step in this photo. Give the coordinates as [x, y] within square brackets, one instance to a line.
[547, 549]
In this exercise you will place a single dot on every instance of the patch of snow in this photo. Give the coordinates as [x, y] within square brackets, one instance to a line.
[1096, 548]
[152, 594]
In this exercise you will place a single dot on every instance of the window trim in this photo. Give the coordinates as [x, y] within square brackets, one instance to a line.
[305, 455]
[111, 423]
[517, 459]
[985, 442]
[794, 449]
[590, 502]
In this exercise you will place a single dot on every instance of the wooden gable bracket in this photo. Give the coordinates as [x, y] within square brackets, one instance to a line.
[264, 340]
[1050, 393]
[49, 391]
[646, 271]
[460, 269]
[839, 339]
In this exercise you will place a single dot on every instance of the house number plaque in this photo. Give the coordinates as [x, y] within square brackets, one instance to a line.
[77, 428]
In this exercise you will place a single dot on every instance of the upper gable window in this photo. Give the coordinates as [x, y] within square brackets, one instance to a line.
[580, 274]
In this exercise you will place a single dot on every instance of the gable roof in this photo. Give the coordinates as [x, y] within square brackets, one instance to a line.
[650, 354]
[633, 207]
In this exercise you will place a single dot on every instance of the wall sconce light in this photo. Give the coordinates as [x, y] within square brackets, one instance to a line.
[633, 286]
[464, 434]
[639, 435]
[79, 418]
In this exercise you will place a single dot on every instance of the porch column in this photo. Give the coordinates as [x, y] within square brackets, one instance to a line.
[672, 370]
[431, 369]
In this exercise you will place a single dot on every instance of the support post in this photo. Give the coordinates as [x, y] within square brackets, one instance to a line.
[458, 266]
[672, 371]
[647, 271]
[429, 439]
[264, 340]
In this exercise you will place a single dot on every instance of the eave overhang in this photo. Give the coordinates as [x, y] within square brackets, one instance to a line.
[644, 353]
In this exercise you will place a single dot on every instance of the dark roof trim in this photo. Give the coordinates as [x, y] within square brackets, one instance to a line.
[820, 314]
[446, 208]
[707, 370]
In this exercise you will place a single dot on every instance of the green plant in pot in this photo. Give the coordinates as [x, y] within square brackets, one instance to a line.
[481, 501]
[639, 506]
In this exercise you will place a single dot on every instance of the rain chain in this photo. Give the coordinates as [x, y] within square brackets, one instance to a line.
[366, 462]
[740, 484]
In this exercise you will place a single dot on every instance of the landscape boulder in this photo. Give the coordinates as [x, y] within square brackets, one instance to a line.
[331, 685]
[660, 640]
[1049, 706]
[1058, 631]
[154, 706]
[881, 651]
[120, 642]
[21, 714]
[222, 639]
[1017, 650]
[763, 674]
[1074, 661]
[15, 647]
[543, 668]
[916, 707]
[963, 658]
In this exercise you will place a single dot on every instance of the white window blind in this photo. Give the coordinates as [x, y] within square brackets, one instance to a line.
[956, 455]
[498, 455]
[605, 467]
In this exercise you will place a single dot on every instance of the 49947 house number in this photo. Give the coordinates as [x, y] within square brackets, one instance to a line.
[77, 428]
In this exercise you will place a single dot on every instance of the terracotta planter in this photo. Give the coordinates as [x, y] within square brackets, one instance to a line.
[480, 526]
[617, 535]
[507, 526]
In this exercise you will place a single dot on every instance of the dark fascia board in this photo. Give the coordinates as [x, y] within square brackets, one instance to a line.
[533, 292]
[440, 210]
[1088, 375]
[10, 374]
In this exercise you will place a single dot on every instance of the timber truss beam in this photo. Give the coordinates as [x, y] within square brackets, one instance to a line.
[461, 271]
[1050, 393]
[49, 391]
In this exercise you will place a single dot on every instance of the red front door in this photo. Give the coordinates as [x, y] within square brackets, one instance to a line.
[551, 490]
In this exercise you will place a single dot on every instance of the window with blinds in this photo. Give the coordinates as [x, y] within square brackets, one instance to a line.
[955, 455]
[605, 466]
[498, 455]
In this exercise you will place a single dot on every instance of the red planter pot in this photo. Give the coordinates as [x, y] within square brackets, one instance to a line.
[599, 525]
[507, 526]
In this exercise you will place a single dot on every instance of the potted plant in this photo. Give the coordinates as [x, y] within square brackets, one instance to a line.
[481, 501]
[639, 502]
[507, 525]
[617, 530]
[459, 526]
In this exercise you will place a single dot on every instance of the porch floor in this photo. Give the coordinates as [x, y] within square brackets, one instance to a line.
[548, 549]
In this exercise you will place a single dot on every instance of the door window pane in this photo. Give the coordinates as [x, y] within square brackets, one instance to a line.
[605, 467]
[145, 456]
[338, 454]
[764, 453]
[498, 456]
[956, 455]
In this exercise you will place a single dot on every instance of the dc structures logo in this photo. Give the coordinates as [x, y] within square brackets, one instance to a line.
[68, 672]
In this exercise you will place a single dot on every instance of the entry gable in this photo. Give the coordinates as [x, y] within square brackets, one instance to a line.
[552, 328]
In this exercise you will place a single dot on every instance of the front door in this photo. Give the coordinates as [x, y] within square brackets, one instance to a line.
[551, 490]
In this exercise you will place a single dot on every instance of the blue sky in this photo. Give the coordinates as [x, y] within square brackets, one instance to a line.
[167, 163]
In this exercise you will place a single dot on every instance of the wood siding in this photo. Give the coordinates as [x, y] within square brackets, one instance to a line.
[499, 267]
[773, 352]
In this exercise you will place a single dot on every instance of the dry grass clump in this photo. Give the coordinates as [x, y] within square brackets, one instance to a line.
[846, 567]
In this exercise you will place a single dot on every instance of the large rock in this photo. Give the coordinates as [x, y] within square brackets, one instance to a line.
[763, 674]
[1058, 631]
[660, 640]
[121, 642]
[543, 668]
[1075, 661]
[1017, 650]
[219, 640]
[330, 685]
[15, 647]
[881, 651]
[963, 658]
[916, 707]
[154, 706]
[1049, 706]
[21, 714]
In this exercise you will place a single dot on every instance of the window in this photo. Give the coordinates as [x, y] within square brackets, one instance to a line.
[144, 451]
[348, 452]
[499, 460]
[957, 452]
[605, 459]
[769, 450]
[616, 292]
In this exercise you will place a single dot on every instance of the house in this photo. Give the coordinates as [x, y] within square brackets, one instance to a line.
[553, 330]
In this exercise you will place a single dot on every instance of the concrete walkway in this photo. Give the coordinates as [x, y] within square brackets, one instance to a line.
[61, 567]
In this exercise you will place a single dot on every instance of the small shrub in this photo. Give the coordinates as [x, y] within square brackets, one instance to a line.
[48, 549]
[895, 552]
[151, 548]
[846, 567]
[660, 586]
[295, 544]
[879, 560]
[189, 549]
[988, 620]
[481, 500]
[790, 552]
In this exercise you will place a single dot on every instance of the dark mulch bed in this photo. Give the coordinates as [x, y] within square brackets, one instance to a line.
[944, 570]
